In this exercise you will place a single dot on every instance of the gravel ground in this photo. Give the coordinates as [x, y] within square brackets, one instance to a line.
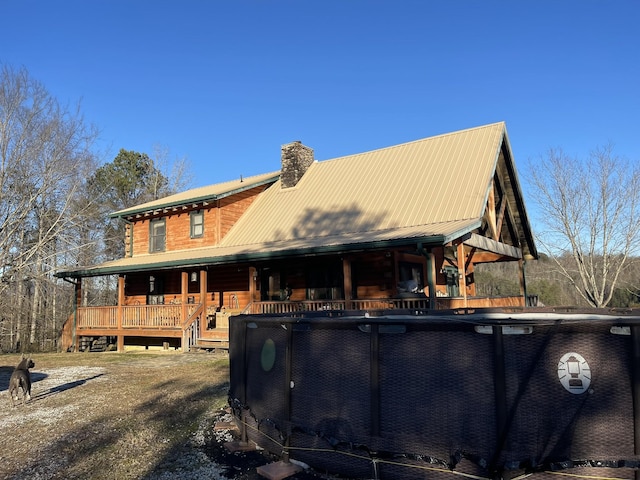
[123, 416]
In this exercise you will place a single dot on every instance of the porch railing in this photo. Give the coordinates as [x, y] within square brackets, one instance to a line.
[97, 317]
[319, 305]
[170, 316]
[134, 316]
[151, 316]
[441, 303]
[191, 326]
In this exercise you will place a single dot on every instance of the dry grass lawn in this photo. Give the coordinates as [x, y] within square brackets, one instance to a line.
[117, 416]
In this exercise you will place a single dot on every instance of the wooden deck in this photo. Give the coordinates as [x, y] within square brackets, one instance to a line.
[213, 340]
[205, 329]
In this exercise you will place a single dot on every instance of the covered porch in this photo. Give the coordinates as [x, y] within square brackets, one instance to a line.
[189, 307]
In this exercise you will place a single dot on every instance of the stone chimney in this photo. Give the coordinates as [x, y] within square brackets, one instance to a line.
[296, 159]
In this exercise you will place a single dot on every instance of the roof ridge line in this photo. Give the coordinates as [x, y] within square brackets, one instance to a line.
[389, 147]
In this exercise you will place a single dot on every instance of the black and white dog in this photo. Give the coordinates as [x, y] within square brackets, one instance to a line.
[21, 380]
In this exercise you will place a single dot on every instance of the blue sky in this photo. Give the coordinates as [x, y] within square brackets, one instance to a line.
[226, 83]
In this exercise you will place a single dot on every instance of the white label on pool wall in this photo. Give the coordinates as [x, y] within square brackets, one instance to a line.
[574, 373]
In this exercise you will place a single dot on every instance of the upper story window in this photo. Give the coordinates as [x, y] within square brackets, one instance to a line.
[157, 235]
[197, 224]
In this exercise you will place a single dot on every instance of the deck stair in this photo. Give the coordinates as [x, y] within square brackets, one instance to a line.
[217, 339]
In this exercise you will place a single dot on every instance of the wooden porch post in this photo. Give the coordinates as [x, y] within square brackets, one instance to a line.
[203, 300]
[184, 292]
[523, 284]
[120, 313]
[431, 278]
[253, 275]
[462, 273]
[78, 300]
[348, 285]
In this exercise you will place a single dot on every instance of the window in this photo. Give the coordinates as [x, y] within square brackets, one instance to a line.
[197, 224]
[157, 235]
[324, 281]
[156, 289]
[271, 284]
[451, 274]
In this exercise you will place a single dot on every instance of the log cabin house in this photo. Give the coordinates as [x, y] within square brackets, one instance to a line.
[398, 227]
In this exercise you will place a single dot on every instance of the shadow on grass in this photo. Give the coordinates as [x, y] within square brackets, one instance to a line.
[154, 439]
[179, 417]
[60, 388]
[241, 465]
[62, 458]
[5, 376]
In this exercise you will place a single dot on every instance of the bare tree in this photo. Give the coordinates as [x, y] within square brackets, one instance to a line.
[44, 160]
[177, 172]
[588, 210]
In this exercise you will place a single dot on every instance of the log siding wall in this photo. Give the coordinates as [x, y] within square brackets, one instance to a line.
[218, 220]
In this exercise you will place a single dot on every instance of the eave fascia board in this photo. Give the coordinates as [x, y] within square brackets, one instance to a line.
[254, 257]
[496, 158]
[517, 191]
[462, 233]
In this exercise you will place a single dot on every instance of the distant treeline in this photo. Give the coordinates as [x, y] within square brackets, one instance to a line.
[553, 289]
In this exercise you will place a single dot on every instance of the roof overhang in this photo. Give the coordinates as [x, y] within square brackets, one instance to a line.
[153, 208]
[426, 236]
[164, 262]
[490, 245]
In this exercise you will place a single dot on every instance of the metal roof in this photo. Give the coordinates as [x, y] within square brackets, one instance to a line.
[435, 234]
[210, 192]
[428, 191]
[436, 180]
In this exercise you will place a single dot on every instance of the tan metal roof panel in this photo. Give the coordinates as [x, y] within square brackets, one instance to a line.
[217, 190]
[430, 190]
[436, 180]
[226, 254]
